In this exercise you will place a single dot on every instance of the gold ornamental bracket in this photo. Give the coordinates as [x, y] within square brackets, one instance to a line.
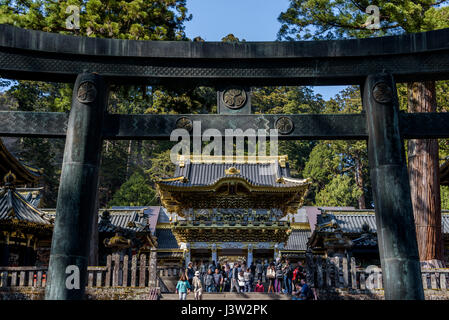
[232, 170]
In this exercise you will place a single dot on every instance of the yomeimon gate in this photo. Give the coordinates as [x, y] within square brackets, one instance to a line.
[232, 68]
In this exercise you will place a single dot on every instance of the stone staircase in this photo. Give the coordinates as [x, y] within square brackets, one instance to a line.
[230, 296]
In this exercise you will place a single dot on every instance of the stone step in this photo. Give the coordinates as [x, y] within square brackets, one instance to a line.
[231, 296]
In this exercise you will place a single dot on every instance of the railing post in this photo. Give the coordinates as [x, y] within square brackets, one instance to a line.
[152, 268]
[443, 285]
[13, 278]
[125, 271]
[353, 274]
[99, 281]
[75, 208]
[398, 247]
[115, 273]
[345, 272]
[133, 270]
[30, 278]
[107, 281]
[362, 280]
[142, 270]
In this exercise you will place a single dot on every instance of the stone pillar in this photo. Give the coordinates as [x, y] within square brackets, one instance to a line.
[78, 189]
[398, 247]
[152, 268]
[214, 252]
[187, 256]
[249, 260]
[277, 252]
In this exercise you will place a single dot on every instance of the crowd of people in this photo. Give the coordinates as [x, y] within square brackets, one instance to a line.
[279, 276]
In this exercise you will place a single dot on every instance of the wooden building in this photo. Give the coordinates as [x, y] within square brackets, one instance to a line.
[231, 208]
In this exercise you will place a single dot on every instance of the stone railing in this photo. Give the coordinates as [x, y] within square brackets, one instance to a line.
[120, 271]
[23, 277]
[339, 272]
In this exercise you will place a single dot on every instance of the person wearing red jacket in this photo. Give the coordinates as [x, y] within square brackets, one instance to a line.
[259, 286]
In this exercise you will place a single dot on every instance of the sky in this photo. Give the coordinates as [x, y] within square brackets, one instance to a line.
[252, 20]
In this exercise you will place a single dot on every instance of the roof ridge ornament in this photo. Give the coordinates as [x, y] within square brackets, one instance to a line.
[232, 170]
[10, 180]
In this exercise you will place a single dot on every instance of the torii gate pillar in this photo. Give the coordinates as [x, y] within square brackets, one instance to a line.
[396, 233]
[75, 208]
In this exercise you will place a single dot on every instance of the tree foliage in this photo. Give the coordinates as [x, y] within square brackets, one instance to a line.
[136, 191]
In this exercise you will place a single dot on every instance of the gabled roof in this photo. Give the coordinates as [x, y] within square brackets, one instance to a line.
[235, 182]
[166, 239]
[14, 208]
[24, 173]
[32, 195]
[136, 219]
[207, 171]
[297, 241]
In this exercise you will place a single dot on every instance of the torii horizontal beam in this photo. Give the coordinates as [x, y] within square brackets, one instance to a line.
[159, 127]
[36, 55]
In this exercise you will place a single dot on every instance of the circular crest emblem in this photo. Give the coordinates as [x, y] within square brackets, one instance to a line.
[87, 92]
[234, 98]
[382, 93]
[184, 123]
[284, 125]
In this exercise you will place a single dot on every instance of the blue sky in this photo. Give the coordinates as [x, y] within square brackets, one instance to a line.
[252, 20]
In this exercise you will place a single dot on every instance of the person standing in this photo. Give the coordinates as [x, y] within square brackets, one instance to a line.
[278, 284]
[235, 277]
[271, 275]
[203, 269]
[218, 280]
[259, 270]
[296, 275]
[183, 287]
[247, 278]
[209, 281]
[190, 272]
[226, 279]
[212, 267]
[197, 286]
[253, 270]
[241, 281]
[288, 274]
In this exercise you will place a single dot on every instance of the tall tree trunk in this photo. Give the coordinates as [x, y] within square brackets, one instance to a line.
[359, 182]
[423, 168]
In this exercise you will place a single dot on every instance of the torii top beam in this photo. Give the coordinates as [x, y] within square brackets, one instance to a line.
[29, 54]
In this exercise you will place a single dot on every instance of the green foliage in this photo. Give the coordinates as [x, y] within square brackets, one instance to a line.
[340, 191]
[333, 19]
[444, 193]
[161, 166]
[137, 191]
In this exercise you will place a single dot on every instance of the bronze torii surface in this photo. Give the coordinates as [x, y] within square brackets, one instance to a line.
[93, 64]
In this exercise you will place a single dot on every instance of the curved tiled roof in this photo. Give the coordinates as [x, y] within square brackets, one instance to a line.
[258, 174]
[14, 206]
[166, 239]
[32, 195]
[23, 172]
[297, 241]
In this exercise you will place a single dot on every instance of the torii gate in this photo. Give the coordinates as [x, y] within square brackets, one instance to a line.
[93, 64]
